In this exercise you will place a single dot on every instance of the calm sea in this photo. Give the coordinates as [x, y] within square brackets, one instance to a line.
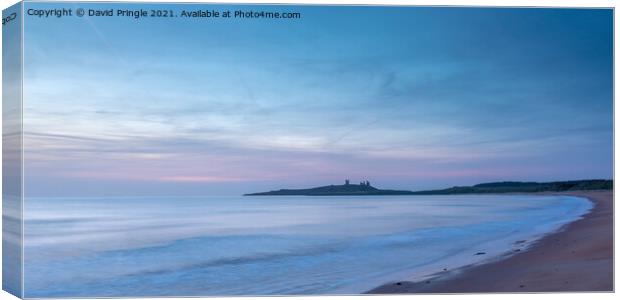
[191, 246]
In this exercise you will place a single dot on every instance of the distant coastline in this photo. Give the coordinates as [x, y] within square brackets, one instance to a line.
[347, 189]
[365, 189]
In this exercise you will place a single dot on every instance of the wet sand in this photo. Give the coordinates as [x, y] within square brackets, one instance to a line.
[579, 257]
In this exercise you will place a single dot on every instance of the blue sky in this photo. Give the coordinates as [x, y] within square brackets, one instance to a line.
[405, 97]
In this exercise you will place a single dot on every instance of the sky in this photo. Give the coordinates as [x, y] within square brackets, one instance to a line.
[405, 97]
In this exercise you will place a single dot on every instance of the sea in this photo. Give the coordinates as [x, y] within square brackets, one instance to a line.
[271, 245]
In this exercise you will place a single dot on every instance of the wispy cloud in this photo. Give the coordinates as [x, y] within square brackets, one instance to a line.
[436, 96]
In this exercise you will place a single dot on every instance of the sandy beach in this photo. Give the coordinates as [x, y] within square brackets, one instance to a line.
[578, 257]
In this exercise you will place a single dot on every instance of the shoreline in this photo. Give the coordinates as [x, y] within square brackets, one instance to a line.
[577, 257]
